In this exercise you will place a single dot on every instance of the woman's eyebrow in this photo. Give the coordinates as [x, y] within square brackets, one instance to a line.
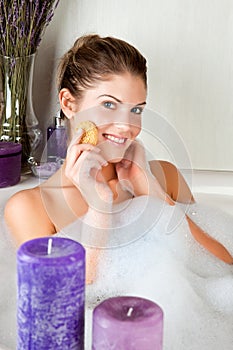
[105, 95]
[117, 99]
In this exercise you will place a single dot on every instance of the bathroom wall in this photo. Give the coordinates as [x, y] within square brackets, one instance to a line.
[189, 47]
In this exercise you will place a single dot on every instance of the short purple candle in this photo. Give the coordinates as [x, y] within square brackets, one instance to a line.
[51, 285]
[127, 322]
[10, 163]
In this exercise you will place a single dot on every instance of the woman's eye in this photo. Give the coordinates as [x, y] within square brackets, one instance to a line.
[137, 110]
[109, 105]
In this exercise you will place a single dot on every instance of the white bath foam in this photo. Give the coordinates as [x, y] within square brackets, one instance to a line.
[193, 287]
[8, 290]
[190, 322]
[3, 347]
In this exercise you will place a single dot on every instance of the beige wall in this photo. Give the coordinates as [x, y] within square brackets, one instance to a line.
[189, 47]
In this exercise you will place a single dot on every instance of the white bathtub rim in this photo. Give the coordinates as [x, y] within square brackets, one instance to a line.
[218, 190]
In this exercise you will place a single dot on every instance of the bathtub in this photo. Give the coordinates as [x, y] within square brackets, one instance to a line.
[213, 188]
[210, 187]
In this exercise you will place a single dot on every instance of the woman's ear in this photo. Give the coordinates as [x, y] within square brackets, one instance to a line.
[67, 102]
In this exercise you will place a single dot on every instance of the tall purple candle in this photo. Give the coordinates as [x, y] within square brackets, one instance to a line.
[51, 284]
[127, 322]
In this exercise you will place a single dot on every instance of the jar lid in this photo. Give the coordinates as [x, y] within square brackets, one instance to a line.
[8, 148]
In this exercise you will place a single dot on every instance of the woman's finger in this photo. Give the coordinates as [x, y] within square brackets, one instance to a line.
[91, 159]
[74, 153]
[81, 164]
[75, 140]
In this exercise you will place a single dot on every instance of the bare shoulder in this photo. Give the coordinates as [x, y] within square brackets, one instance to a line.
[165, 172]
[26, 216]
[23, 201]
[167, 167]
[172, 181]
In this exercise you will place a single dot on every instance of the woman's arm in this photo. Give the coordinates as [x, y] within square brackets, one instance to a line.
[175, 185]
[135, 175]
[179, 191]
[211, 244]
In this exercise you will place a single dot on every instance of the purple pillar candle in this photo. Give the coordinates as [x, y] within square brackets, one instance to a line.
[127, 322]
[10, 163]
[51, 284]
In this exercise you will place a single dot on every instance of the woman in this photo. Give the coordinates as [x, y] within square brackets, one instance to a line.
[106, 77]
[101, 187]
[110, 74]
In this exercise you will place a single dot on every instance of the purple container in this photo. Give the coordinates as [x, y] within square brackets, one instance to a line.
[10, 163]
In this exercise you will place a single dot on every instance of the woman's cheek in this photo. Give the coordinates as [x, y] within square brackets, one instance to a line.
[136, 131]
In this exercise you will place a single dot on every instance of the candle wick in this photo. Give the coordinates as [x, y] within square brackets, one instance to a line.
[50, 242]
[129, 313]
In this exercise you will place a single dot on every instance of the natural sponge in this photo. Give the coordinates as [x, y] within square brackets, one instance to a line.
[91, 132]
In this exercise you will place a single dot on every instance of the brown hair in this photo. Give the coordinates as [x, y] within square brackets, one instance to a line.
[93, 58]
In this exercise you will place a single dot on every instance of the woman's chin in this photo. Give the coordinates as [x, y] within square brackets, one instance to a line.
[115, 160]
[113, 155]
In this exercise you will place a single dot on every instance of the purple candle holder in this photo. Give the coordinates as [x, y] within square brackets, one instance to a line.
[51, 284]
[127, 322]
[10, 163]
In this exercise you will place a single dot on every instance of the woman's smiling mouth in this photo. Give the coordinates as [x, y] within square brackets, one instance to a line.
[118, 140]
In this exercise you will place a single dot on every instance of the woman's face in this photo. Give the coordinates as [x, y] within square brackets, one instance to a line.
[115, 106]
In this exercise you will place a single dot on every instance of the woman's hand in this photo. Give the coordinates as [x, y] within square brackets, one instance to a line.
[83, 168]
[134, 174]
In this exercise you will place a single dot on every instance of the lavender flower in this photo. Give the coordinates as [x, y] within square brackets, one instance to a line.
[22, 25]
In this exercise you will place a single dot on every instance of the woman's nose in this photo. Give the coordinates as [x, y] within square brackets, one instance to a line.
[123, 119]
[123, 125]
